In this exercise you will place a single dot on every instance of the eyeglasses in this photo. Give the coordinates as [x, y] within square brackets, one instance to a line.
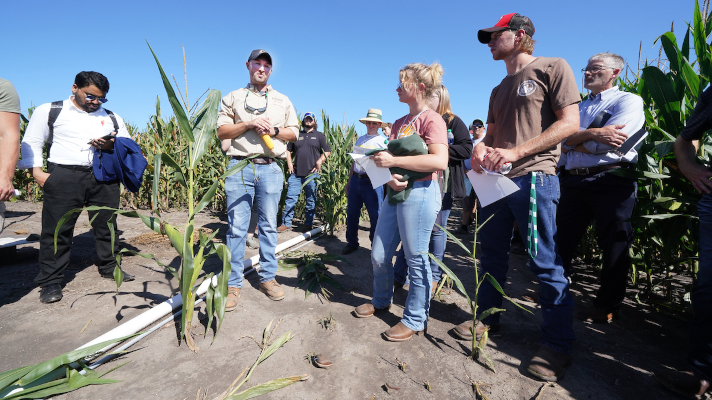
[256, 111]
[402, 85]
[478, 126]
[595, 69]
[91, 97]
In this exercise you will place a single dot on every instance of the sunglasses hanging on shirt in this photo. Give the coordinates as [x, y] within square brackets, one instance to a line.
[256, 111]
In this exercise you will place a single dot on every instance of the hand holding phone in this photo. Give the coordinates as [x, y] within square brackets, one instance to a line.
[100, 142]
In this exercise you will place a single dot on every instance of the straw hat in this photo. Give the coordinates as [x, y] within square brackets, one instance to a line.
[373, 115]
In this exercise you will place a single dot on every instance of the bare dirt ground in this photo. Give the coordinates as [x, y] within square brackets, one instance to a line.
[613, 361]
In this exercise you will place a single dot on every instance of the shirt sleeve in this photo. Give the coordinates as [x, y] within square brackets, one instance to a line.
[700, 120]
[325, 144]
[35, 137]
[226, 115]
[563, 90]
[9, 100]
[290, 119]
[629, 111]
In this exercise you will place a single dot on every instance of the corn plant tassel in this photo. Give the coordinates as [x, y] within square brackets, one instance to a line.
[532, 236]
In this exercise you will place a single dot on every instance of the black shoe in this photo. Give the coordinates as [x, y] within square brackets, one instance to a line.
[51, 293]
[349, 249]
[110, 275]
[462, 230]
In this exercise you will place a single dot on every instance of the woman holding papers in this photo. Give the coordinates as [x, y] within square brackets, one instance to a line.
[413, 203]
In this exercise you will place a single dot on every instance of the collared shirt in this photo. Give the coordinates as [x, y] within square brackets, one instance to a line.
[73, 130]
[279, 110]
[365, 143]
[625, 108]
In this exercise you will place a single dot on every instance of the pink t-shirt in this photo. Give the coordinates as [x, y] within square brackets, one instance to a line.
[429, 125]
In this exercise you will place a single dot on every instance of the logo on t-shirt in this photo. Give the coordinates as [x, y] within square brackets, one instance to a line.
[526, 88]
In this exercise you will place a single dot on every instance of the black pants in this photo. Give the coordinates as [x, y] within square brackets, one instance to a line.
[609, 199]
[68, 188]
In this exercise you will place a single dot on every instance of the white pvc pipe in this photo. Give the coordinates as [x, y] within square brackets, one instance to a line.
[149, 317]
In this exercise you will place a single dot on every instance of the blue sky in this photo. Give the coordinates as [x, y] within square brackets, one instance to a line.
[340, 57]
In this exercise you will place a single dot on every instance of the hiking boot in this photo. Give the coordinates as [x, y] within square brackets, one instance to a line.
[51, 293]
[233, 293]
[464, 330]
[684, 383]
[110, 275]
[349, 249]
[283, 228]
[367, 310]
[399, 333]
[596, 315]
[548, 365]
[252, 243]
[272, 289]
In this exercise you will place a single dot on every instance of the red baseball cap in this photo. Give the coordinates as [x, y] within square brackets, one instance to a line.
[512, 21]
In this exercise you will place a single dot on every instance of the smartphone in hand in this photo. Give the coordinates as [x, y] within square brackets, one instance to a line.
[104, 138]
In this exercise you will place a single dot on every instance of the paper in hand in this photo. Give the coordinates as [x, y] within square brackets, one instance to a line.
[491, 186]
[378, 175]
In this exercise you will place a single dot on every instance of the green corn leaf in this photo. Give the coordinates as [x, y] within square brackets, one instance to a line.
[637, 174]
[204, 126]
[156, 183]
[179, 173]
[685, 50]
[7, 378]
[661, 89]
[665, 216]
[267, 387]
[486, 313]
[672, 52]
[221, 291]
[454, 278]
[209, 300]
[700, 41]
[177, 239]
[313, 286]
[494, 283]
[456, 240]
[178, 110]
[187, 268]
[210, 193]
[489, 361]
[331, 281]
[332, 257]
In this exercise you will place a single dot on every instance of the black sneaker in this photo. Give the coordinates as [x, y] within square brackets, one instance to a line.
[110, 275]
[462, 230]
[51, 293]
[349, 249]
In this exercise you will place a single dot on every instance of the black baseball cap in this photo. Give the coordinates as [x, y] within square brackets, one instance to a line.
[260, 53]
[512, 21]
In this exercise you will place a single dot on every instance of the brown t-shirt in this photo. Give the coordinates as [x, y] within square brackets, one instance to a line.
[523, 105]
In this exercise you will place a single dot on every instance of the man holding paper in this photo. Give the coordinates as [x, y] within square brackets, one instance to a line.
[611, 125]
[360, 190]
[531, 111]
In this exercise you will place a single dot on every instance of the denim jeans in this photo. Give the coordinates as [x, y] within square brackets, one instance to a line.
[293, 191]
[362, 192]
[438, 241]
[700, 356]
[495, 237]
[264, 183]
[412, 222]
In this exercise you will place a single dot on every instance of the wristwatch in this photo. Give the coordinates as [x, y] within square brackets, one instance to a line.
[276, 131]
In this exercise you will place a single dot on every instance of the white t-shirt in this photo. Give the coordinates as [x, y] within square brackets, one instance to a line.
[365, 143]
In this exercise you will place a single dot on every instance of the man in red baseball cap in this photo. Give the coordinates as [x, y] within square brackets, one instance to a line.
[531, 111]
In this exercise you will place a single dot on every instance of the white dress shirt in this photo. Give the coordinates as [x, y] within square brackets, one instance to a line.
[73, 130]
[625, 108]
[366, 143]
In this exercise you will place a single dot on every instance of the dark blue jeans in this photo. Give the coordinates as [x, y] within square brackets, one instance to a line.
[609, 200]
[438, 241]
[700, 356]
[495, 237]
[293, 191]
[362, 192]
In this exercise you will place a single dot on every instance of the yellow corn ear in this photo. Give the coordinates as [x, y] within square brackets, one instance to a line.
[268, 141]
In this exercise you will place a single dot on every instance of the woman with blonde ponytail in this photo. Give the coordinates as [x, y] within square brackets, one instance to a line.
[409, 212]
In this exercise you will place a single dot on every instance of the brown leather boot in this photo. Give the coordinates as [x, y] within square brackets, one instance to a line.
[367, 310]
[272, 289]
[283, 228]
[464, 330]
[233, 293]
[548, 365]
[684, 383]
[399, 333]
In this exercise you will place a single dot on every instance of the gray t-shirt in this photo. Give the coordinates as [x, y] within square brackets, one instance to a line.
[9, 100]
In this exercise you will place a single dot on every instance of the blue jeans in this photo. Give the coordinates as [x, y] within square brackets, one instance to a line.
[263, 182]
[438, 241]
[700, 356]
[495, 237]
[293, 190]
[412, 222]
[362, 192]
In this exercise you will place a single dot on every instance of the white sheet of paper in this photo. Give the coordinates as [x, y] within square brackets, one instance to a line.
[491, 186]
[379, 175]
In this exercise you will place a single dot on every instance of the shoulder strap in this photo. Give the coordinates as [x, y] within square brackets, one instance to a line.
[113, 120]
[53, 114]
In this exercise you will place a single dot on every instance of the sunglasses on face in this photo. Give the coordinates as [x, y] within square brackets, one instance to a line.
[91, 97]
[478, 126]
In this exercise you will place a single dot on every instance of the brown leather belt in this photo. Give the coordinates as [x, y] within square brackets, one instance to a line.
[256, 160]
[362, 176]
[595, 170]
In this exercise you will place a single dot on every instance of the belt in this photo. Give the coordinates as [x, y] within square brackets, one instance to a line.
[256, 160]
[594, 170]
[82, 168]
[362, 176]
